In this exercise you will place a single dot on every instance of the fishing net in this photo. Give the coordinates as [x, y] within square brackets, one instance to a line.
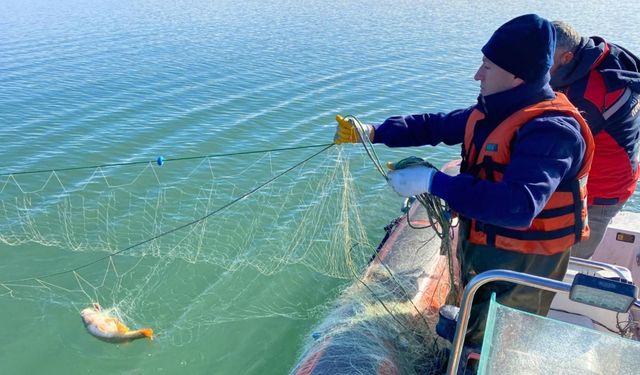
[201, 242]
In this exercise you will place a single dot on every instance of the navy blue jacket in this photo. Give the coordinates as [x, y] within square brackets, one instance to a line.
[546, 152]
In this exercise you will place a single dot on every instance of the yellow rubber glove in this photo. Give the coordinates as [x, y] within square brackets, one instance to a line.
[346, 131]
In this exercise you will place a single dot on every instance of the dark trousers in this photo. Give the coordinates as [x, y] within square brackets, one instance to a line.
[476, 259]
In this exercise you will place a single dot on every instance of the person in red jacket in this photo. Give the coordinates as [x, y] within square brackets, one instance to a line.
[602, 80]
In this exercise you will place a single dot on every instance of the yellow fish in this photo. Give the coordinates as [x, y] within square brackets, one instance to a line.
[108, 328]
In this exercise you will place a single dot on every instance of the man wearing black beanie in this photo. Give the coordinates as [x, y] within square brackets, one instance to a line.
[526, 154]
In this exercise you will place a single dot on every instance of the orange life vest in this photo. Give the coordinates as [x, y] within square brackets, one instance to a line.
[563, 220]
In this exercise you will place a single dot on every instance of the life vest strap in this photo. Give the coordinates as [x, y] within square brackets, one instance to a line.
[555, 212]
[525, 235]
[579, 206]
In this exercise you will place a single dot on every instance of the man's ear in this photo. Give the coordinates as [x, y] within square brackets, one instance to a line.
[566, 57]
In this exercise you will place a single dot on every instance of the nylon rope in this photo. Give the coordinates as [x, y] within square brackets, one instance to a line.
[211, 156]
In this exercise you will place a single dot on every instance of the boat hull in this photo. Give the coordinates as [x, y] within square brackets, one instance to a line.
[384, 322]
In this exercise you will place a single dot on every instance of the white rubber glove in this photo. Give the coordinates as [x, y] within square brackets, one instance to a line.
[411, 181]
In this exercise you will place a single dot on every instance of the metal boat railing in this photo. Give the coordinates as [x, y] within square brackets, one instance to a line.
[501, 275]
[595, 265]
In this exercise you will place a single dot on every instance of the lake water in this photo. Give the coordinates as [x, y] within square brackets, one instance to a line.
[229, 288]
